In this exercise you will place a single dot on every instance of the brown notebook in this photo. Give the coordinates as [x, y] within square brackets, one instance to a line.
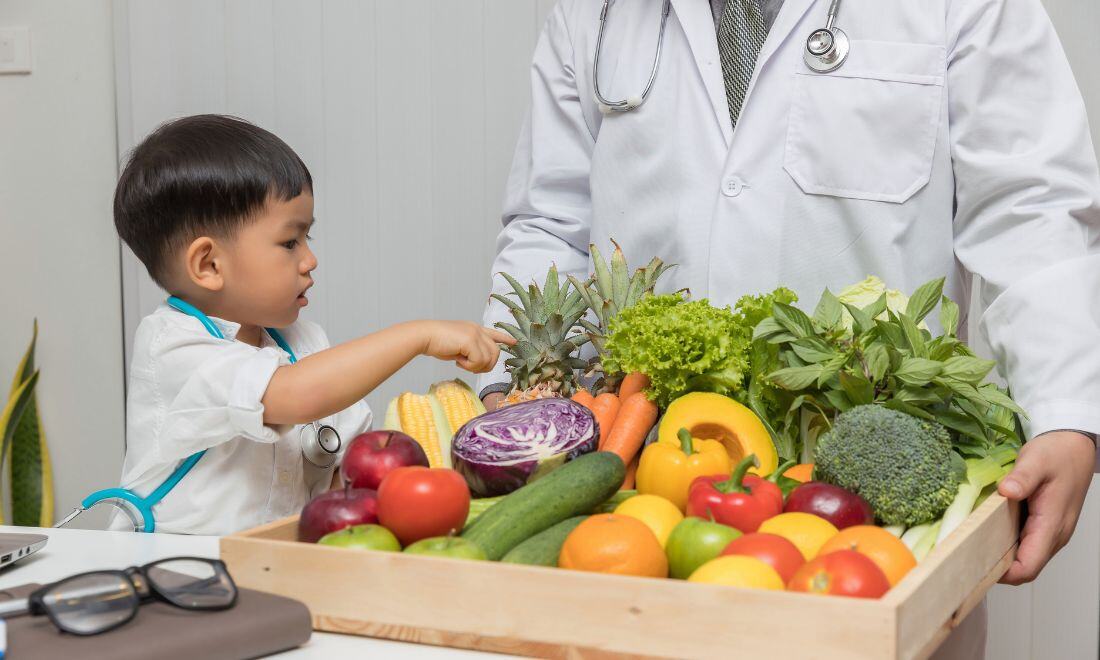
[259, 624]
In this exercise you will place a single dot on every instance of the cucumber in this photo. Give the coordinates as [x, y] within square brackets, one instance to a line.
[543, 548]
[575, 488]
[480, 505]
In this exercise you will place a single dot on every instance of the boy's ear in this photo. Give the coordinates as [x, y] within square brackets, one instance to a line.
[204, 263]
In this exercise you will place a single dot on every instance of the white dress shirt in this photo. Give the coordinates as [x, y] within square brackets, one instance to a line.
[190, 391]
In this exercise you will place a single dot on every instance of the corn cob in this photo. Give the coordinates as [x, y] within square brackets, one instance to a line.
[458, 401]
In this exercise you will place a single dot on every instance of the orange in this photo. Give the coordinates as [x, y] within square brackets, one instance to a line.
[880, 546]
[610, 543]
[805, 530]
[802, 472]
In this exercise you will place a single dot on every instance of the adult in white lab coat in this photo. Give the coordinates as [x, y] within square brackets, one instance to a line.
[953, 141]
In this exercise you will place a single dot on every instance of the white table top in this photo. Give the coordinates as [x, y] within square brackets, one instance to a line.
[71, 551]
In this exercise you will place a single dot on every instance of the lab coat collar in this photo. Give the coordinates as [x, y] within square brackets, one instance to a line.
[697, 21]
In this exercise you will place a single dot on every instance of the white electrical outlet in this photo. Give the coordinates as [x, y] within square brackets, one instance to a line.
[15, 50]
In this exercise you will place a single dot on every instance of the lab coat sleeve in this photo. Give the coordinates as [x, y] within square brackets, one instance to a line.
[547, 206]
[1028, 214]
[209, 392]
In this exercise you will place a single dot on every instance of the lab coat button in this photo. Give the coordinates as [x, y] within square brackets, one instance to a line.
[732, 186]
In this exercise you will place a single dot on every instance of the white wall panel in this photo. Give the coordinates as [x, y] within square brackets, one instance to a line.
[405, 112]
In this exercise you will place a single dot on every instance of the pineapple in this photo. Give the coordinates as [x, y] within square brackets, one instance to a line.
[608, 292]
[543, 362]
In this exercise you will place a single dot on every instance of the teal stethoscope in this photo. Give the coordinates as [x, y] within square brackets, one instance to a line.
[826, 49]
[320, 445]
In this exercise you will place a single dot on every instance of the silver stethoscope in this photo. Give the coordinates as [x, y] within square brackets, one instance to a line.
[826, 50]
[320, 444]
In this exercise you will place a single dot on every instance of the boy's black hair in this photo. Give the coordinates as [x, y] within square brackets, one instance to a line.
[204, 175]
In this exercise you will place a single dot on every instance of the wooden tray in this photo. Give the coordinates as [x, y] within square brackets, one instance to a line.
[555, 613]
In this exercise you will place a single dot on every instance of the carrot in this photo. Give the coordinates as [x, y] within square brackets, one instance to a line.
[583, 397]
[606, 410]
[636, 417]
[634, 382]
[631, 472]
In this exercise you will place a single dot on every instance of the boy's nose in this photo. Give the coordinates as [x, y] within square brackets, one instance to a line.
[310, 262]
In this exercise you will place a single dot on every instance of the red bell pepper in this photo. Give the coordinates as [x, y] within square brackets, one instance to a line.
[741, 500]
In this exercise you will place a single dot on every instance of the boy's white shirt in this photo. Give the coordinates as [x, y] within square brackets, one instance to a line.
[190, 391]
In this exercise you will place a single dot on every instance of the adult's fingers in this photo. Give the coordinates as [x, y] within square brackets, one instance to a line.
[1037, 545]
[1024, 478]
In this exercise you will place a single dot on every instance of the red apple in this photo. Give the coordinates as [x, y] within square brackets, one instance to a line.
[371, 456]
[833, 503]
[335, 510]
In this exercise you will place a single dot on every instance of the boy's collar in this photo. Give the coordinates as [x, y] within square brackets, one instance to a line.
[228, 328]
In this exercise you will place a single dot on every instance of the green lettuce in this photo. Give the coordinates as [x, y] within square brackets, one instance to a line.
[688, 346]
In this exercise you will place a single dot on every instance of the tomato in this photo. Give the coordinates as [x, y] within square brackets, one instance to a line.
[841, 573]
[417, 503]
[772, 549]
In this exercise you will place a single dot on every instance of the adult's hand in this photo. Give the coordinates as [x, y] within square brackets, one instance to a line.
[1052, 473]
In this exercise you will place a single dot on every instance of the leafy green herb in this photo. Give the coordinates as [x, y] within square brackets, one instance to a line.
[823, 365]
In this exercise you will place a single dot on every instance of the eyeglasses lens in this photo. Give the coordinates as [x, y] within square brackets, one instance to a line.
[92, 603]
[192, 584]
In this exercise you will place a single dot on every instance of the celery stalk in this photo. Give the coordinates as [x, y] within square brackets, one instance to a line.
[896, 530]
[913, 535]
[927, 542]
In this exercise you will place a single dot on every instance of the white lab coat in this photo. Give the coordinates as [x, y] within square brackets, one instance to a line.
[953, 142]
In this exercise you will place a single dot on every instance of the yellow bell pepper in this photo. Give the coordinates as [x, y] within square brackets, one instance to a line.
[667, 470]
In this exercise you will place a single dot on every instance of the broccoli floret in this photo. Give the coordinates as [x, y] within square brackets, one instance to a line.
[902, 465]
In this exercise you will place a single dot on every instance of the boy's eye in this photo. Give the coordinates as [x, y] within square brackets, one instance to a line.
[290, 245]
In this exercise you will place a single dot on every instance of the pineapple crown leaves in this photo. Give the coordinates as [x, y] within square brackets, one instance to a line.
[611, 288]
[544, 318]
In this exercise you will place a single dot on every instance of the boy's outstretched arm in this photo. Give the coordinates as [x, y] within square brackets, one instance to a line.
[327, 382]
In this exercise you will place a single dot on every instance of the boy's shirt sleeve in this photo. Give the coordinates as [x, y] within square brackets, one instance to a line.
[349, 422]
[207, 391]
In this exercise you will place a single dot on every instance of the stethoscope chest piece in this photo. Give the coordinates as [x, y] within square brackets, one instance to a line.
[826, 49]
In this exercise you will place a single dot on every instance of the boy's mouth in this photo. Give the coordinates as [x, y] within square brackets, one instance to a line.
[302, 300]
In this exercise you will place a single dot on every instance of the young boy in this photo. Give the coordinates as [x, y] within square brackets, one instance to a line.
[219, 211]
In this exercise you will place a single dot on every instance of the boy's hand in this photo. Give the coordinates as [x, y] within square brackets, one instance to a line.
[1053, 473]
[469, 345]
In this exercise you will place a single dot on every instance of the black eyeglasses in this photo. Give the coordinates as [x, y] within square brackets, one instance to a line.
[95, 602]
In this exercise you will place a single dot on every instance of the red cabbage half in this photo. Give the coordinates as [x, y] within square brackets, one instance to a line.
[502, 450]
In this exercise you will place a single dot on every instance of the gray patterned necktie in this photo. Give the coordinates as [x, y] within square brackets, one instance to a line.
[741, 35]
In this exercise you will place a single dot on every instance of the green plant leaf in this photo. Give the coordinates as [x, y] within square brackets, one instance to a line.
[860, 321]
[878, 360]
[891, 332]
[913, 336]
[813, 350]
[918, 396]
[796, 378]
[829, 312]
[963, 389]
[860, 390]
[830, 369]
[878, 307]
[967, 369]
[924, 300]
[995, 396]
[901, 406]
[917, 371]
[960, 423]
[949, 316]
[767, 329]
[793, 319]
[838, 400]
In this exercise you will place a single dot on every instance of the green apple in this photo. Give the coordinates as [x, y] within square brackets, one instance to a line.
[454, 547]
[362, 537]
[694, 542]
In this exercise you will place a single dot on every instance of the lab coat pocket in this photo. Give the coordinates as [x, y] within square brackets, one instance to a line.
[867, 130]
